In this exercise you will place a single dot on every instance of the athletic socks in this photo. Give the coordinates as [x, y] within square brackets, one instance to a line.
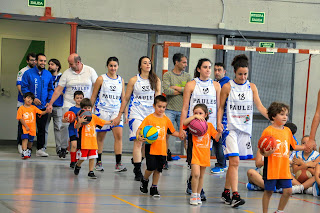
[118, 158]
[73, 156]
[99, 157]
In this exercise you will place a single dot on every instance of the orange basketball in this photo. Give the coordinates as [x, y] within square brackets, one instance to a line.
[267, 142]
[303, 175]
[70, 115]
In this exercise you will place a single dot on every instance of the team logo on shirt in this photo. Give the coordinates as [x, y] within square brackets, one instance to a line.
[247, 118]
[205, 90]
[248, 144]
[113, 88]
[145, 88]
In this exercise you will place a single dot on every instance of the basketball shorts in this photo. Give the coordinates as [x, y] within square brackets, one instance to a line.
[270, 185]
[238, 143]
[73, 138]
[133, 127]
[107, 116]
[154, 162]
[27, 136]
[316, 189]
[84, 154]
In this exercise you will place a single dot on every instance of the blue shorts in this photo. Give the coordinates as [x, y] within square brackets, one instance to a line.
[27, 136]
[270, 185]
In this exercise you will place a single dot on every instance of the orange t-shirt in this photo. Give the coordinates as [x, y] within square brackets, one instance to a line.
[28, 114]
[164, 126]
[276, 166]
[87, 133]
[201, 146]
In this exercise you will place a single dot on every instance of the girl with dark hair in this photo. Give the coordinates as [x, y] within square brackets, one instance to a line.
[239, 95]
[201, 90]
[141, 90]
[108, 92]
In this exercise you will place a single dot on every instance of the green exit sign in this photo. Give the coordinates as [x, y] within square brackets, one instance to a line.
[257, 17]
[267, 45]
[36, 3]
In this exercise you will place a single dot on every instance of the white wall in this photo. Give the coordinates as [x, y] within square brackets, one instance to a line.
[288, 17]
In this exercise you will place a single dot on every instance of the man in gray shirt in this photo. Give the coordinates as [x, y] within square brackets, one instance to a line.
[173, 83]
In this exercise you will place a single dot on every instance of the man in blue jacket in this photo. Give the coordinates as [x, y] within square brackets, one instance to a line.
[38, 80]
[220, 76]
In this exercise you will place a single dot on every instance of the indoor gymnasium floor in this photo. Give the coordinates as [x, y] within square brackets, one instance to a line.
[49, 185]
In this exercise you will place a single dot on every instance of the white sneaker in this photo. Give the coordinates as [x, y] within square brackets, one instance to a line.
[199, 199]
[194, 200]
[309, 191]
[297, 189]
[20, 148]
[41, 153]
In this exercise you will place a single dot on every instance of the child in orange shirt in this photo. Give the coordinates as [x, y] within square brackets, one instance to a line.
[276, 171]
[157, 151]
[26, 114]
[87, 138]
[200, 152]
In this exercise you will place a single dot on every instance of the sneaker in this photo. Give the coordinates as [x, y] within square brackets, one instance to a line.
[24, 154]
[20, 148]
[309, 191]
[72, 164]
[144, 186]
[58, 152]
[225, 197]
[203, 195]
[188, 190]
[199, 200]
[154, 192]
[166, 166]
[91, 175]
[253, 187]
[297, 189]
[217, 170]
[236, 200]
[29, 153]
[99, 166]
[76, 169]
[62, 153]
[41, 153]
[194, 200]
[120, 168]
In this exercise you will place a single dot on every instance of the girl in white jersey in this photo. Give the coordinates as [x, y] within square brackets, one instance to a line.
[141, 90]
[201, 90]
[239, 95]
[107, 94]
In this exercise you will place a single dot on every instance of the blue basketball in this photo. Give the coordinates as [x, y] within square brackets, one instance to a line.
[85, 113]
[150, 133]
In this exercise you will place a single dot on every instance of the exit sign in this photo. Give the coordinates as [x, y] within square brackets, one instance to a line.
[267, 45]
[36, 3]
[257, 17]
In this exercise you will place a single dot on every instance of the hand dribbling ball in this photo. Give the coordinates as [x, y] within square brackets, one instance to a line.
[267, 143]
[70, 115]
[87, 114]
[150, 133]
[198, 127]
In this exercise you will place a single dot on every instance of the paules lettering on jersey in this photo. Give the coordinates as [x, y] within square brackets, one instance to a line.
[240, 107]
[109, 97]
[142, 98]
[204, 93]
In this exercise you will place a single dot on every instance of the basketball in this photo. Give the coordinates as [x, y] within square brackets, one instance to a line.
[303, 175]
[87, 114]
[267, 142]
[70, 115]
[198, 127]
[150, 133]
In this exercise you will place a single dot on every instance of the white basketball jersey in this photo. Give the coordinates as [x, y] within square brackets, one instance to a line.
[142, 97]
[109, 97]
[314, 155]
[204, 93]
[240, 107]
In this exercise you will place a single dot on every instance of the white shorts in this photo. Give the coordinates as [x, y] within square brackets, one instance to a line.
[107, 116]
[238, 143]
[316, 190]
[133, 127]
